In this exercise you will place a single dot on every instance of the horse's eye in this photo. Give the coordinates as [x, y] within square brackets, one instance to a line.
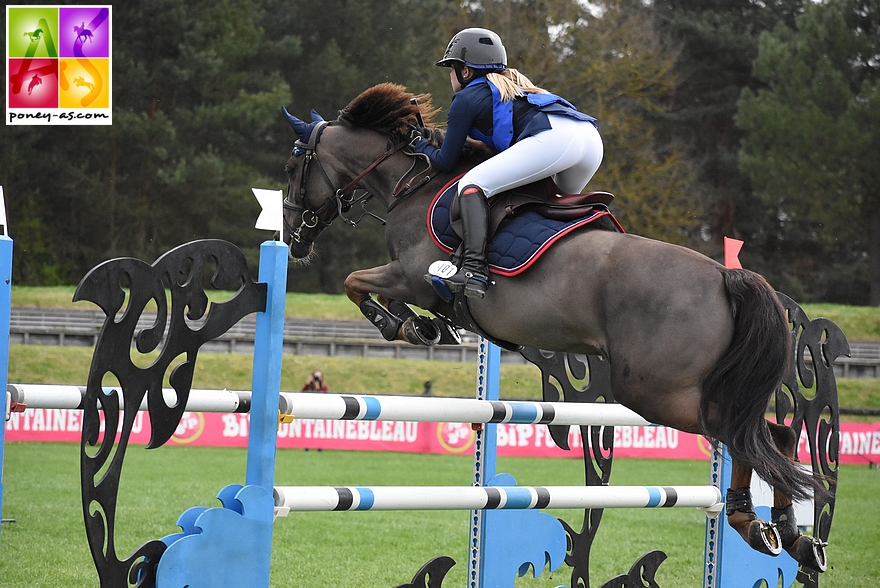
[289, 170]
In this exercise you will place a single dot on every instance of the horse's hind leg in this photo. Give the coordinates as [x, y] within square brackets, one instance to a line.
[805, 549]
[759, 534]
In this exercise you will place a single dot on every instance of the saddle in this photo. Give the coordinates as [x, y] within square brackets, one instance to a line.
[542, 197]
[523, 222]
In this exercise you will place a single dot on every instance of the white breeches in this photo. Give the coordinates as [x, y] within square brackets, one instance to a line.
[570, 152]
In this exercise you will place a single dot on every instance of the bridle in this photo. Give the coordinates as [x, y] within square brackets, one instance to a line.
[344, 198]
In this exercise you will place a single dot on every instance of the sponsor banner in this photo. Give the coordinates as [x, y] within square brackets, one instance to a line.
[859, 442]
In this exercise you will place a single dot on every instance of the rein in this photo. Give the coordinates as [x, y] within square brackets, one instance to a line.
[310, 218]
[404, 190]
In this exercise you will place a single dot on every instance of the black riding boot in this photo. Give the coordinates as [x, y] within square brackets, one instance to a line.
[473, 274]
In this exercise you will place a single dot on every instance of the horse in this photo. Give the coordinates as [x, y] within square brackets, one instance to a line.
[81, 82]
[82, 33]
[691, 344]
[35, 81]
[34, 36]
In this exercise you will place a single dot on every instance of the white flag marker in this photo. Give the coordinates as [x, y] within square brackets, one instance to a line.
[270, 218]
[3, 214]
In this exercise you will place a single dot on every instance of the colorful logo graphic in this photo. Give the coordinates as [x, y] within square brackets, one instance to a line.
[58, 65]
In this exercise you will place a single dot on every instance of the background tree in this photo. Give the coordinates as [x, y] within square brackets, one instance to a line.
[717, 42]
[620, 69]
[811, 144]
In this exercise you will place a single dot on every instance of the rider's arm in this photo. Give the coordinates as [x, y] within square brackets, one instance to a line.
[466, 107]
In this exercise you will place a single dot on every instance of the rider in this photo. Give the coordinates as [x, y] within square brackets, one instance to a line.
[536, 133]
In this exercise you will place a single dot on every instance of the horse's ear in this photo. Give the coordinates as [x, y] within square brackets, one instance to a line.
[302, 129]
[316, 118]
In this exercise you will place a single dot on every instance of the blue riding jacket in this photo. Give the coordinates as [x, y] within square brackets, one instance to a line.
[478, 111]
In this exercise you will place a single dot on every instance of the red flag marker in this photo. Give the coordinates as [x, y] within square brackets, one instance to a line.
[731, 253]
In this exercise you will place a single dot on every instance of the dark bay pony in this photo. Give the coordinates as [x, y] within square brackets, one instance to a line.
[691, 345]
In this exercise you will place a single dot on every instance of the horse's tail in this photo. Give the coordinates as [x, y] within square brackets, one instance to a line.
[737, 391]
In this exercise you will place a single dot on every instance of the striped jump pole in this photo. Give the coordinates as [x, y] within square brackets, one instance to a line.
[329, 498]
[310, 405]
[72, 398]
[307, 405]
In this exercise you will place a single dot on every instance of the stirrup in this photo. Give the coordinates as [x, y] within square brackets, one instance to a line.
[475, 284]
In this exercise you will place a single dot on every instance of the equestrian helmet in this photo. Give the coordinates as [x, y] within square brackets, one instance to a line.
[476, 48]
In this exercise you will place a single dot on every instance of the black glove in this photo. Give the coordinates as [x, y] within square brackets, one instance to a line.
[417, 132]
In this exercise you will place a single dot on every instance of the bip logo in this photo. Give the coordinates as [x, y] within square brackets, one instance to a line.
[58, 65]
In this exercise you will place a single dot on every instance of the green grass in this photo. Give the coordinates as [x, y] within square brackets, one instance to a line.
[299, 305]
[35, 364]
[46, 545]
[859, 323]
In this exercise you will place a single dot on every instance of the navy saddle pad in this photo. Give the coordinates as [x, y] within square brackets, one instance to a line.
[517, 245]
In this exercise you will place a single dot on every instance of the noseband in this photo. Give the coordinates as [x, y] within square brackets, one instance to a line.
[344, 197]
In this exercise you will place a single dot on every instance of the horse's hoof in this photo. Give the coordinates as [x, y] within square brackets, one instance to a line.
[764, 537]
[420, 331]
[810, 552]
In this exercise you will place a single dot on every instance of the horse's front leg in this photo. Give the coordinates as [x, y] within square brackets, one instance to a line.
[394, 319]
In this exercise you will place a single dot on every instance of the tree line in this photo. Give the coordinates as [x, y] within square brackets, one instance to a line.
[754, 120]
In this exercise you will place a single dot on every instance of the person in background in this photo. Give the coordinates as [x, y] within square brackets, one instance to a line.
[316, 383]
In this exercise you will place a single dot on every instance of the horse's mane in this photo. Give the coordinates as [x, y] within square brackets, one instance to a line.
[387, 108]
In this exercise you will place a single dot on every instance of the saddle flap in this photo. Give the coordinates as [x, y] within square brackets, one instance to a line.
[543, 197]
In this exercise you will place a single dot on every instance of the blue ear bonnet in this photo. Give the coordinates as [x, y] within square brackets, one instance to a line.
[302, 129]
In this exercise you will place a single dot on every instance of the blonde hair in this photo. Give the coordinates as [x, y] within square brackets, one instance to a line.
[512, 84]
